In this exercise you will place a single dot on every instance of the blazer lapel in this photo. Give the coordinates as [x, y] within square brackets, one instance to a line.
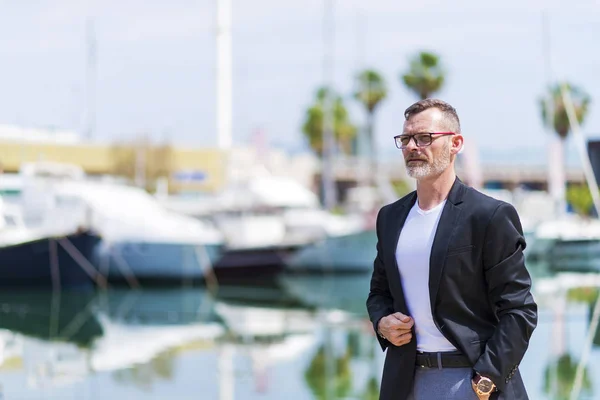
[398, 218]
[445, 230]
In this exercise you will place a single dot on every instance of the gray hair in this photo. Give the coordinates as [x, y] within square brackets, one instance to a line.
[448, 112]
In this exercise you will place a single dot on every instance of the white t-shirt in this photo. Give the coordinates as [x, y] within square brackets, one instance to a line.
[412, 254]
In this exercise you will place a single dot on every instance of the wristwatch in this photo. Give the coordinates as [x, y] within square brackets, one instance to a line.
[483, 385]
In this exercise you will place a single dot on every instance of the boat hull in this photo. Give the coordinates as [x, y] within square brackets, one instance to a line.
[155, 260]
[351, 253]
[253, 264]
[29, 263]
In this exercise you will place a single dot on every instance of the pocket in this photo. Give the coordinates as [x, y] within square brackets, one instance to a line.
[468, 393]
[459, 250]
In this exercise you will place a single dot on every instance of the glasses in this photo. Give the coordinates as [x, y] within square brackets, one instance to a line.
[420, 139]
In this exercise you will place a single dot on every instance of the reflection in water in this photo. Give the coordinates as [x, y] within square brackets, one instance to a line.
[560, 376]
[144, 375]
[560, 373]
[325, 384]
[142, 324]
[52, 316]
[372, 390]
[588, 296]
[343, 292]
[158, 306]
[307, 335]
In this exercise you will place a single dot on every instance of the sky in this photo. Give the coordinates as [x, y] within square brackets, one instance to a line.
[156, 65]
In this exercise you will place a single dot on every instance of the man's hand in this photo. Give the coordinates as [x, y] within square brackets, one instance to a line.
[396, 328]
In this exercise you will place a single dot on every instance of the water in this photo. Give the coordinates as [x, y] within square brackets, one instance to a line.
[295, 338]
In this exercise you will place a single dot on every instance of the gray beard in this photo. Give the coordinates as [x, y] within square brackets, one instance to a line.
[428, 169]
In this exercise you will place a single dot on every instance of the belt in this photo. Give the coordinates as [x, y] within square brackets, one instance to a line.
[446, 359]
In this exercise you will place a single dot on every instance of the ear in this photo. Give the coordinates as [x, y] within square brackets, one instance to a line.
[457, 144]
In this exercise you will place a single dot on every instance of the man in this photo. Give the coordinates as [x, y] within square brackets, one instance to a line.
[450, 294]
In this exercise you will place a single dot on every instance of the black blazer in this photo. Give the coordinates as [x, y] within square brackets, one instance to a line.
[479, 289]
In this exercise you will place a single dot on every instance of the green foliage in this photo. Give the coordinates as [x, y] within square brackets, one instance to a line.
[560, 120]
[561, 376]
[425, 75]
[372, 389]
[583, 294]
[313, 126]
[580, 198]
[145, 376]
[371, 89]
[319, 382]
[401, 187]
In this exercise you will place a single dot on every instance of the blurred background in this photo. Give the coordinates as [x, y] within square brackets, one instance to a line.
[189, 188]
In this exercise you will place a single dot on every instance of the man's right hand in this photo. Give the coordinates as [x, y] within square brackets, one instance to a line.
[396, 328]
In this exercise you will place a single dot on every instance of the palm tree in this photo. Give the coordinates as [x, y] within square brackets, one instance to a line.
[425, 75]
[371, 90]
[554, 113]
[558, 113]
[343, 129]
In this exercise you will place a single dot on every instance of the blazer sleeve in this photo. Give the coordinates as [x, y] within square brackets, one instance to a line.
[380, 302]
[509, 291]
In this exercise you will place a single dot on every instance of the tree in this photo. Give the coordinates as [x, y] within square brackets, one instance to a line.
[558, 113]
[580, 198]
[343, 129]
[371, 90]
[554, 116]
[425, 75]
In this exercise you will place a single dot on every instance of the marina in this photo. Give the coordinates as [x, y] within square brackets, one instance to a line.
[178, 301]
[190, 194]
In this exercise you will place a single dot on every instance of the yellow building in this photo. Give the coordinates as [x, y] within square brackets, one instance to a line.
[187, 169]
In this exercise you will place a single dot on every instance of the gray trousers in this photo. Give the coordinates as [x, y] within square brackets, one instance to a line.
[442, 384]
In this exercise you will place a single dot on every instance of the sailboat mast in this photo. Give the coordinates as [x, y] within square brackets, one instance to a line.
[91, 63]
[327, 173]
[224, 74]
[556, 163]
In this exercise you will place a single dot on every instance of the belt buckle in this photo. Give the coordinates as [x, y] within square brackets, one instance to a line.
[427, 362]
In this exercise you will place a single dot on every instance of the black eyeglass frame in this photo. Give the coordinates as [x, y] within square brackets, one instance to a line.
[398, 138]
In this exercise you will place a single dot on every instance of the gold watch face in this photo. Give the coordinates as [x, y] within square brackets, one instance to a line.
[485, 385]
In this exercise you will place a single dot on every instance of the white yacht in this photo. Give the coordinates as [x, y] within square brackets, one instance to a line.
[570, 244]
[140, 238]
[346, 251]
[265, 220]
[43, 256]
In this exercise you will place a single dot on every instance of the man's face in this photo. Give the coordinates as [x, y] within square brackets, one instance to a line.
[429, 161]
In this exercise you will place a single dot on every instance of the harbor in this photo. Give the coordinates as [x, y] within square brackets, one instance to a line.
[110, 292]
[190, 191]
